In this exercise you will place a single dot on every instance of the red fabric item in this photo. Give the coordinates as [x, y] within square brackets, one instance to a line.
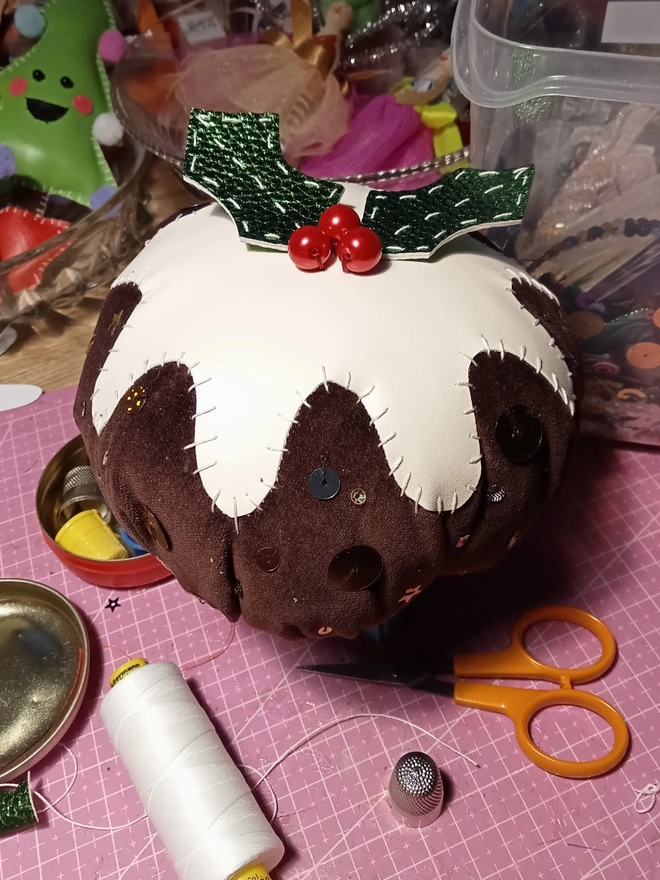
[20, 231]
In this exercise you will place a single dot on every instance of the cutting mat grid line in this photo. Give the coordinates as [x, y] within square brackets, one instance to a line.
[505, 819]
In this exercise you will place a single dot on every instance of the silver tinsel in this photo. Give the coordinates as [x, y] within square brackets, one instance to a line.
[397, 35]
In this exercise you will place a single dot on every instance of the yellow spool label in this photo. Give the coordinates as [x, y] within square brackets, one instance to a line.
[126, 669]
[254, 872]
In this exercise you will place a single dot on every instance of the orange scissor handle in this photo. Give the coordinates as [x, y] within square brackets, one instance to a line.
[521, 705]
[517, 662]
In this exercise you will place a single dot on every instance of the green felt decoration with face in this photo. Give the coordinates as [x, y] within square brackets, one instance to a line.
[50, 98]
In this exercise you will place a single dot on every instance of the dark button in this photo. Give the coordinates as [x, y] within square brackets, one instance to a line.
[356, 568]
[156, 531]
[324, 483]
[268, 559]
[518, 433]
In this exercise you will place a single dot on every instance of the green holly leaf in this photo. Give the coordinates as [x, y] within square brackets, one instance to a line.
[50, 98]
[16, 809]
[413, 225]
[236, 158]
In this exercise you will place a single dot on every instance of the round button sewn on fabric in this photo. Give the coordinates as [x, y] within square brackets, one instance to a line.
[268, 559]
[354, 569]
[156, 531]
[518, 433]
[324, 483]
[358, 497]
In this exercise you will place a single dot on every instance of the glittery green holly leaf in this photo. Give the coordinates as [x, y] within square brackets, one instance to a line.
[236, 158]
[16, 809]
[413, 225]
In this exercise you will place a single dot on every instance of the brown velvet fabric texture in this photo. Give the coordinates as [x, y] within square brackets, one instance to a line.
[142, 467]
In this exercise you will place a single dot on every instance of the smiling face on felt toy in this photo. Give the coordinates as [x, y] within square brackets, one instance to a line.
[311, 450]
[50, 98]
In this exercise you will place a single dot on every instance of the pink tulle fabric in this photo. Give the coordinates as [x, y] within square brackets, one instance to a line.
[262, 78]
[384, 134]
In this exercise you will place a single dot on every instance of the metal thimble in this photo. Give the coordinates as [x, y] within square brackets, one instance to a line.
[82, 492]
[416, 790]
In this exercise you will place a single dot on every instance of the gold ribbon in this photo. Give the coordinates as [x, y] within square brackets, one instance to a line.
[302, 41]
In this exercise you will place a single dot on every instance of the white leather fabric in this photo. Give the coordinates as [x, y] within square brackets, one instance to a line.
[259, 336]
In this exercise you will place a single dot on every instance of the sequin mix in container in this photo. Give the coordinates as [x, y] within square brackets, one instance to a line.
[577, 94]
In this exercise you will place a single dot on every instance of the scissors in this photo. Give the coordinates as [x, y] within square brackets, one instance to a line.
[518, 704]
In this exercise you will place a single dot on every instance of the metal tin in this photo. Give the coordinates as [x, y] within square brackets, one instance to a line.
[44, 670]
[136, 571]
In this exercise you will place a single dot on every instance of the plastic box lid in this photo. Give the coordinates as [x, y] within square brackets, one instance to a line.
[507, 53]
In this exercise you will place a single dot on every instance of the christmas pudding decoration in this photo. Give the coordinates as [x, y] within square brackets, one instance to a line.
[313, 448]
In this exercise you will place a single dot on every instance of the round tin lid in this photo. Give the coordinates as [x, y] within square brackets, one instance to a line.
[44, 669]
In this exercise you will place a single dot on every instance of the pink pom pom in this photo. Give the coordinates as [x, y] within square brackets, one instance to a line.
[112, 46]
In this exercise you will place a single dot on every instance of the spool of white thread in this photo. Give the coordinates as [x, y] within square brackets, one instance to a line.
[193, 793]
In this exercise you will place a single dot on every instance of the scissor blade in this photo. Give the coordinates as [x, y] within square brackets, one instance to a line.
[416, 677]
[357, 671]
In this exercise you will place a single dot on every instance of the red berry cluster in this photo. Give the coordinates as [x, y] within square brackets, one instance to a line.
[358, 247]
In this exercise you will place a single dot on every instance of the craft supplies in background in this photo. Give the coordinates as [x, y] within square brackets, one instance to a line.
[520, 705]
[69, 200]
[291, 77]
[553, 84]
[194, 795]
[318, 80]
[44, 669]
[56, 106]
[72, 523]
[416, 790]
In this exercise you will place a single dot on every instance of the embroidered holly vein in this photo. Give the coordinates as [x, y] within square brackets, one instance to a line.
[415, 224]
[236, 158]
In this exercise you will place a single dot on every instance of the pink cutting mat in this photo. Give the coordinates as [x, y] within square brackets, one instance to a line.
[503, 819]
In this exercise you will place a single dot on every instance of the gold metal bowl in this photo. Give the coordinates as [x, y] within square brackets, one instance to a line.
[44, 670]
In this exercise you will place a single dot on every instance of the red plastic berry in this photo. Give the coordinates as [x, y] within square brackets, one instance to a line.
[359, 250]
[309, 248]
[337, 220]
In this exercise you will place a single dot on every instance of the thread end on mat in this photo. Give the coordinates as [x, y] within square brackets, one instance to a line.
[126, 669]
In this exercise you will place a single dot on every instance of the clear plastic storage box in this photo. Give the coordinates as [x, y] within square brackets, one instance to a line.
[573, 86]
